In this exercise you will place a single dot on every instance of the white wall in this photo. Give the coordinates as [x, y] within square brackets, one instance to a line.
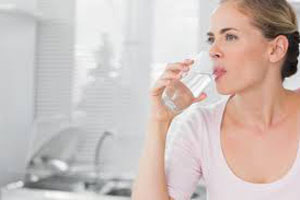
[17, 50]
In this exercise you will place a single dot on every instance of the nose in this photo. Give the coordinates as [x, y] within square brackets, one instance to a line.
[215, 51]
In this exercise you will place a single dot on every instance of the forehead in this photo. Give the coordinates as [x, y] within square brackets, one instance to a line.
[228, 15]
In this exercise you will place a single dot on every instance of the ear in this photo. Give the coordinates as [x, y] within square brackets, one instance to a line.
[278, 48]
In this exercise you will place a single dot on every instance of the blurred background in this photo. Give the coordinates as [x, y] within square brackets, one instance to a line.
[74, 81]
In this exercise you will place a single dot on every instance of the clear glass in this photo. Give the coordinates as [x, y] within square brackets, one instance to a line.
[180, 93]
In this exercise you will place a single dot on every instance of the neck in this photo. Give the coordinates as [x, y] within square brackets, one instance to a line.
[261, 108]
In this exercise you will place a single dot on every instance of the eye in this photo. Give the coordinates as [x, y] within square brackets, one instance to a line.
[231, 37]
[210, 40]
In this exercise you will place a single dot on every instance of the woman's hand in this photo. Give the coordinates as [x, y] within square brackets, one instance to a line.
[173, 72]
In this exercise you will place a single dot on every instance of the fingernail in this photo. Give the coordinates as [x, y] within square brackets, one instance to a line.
[187, 61]
[186, 68]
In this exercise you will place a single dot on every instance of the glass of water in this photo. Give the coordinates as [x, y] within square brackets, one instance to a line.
[180, 93]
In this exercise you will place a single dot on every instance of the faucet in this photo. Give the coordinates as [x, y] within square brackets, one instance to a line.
[97, 152]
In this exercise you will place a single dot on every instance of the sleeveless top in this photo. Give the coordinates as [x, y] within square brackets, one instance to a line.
[193, 152]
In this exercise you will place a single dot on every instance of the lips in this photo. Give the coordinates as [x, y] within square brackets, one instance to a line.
[219, 71]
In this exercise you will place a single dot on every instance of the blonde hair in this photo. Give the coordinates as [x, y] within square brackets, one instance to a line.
[273, 18]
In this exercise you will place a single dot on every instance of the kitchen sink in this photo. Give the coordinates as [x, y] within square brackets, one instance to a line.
[117, 187]
[121, 188]
[66, 183]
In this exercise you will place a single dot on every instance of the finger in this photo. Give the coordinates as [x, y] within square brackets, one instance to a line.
[188, 61]
[171, 75]
[159, 86]
[176, 67]
[201, 97]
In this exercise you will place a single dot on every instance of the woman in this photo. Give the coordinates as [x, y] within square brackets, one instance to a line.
[246, 147]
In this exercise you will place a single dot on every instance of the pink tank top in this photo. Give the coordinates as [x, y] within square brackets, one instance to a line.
[193, 152]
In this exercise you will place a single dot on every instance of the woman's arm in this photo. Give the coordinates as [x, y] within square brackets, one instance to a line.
[151, 180]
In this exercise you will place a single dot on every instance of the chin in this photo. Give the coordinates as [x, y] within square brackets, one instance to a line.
[224, 90]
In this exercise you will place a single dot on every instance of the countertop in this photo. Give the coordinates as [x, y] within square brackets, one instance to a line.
[34, 194]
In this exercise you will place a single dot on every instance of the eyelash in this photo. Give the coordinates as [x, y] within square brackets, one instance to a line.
[210, 40]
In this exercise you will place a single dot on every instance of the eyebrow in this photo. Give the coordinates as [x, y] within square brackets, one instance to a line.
[222, 31]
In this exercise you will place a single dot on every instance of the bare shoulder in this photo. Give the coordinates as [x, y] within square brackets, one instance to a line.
[296, 95]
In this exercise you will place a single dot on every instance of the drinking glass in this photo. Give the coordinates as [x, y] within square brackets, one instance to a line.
[179, 94]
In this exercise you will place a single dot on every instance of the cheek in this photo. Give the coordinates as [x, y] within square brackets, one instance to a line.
[240, 64]
[245, 67]
[248, 62]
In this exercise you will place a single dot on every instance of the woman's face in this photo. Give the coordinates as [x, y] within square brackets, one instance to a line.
[239, 48]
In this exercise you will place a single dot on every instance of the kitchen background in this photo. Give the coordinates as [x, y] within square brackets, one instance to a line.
[75, 77]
